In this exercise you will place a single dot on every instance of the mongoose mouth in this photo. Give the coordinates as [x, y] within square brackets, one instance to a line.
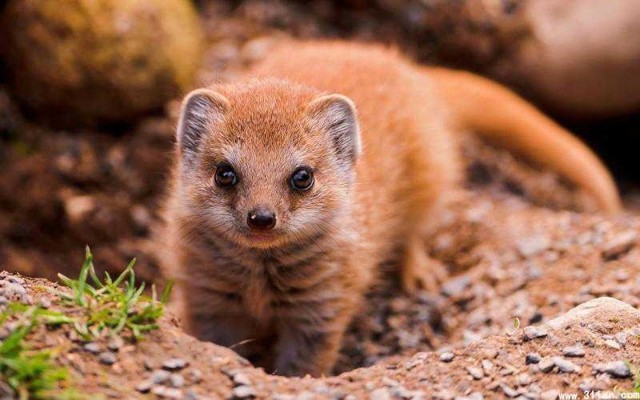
[262, 239]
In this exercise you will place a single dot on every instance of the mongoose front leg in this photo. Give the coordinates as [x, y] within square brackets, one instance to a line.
[308, 349]
[419, 270]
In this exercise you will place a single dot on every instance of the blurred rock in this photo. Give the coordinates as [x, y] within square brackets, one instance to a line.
[581, 57]
[92, 61]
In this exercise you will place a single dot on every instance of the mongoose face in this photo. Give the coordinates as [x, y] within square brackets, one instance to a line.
[267, 163]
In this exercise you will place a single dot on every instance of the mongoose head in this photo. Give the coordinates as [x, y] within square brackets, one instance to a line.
[266, 163]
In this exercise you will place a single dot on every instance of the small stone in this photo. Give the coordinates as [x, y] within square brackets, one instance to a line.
[92, 347]
[241, 379]
[546, 364]
[613, 344]
[616, 369]
[456, 285]
[475, 372]
[115, 343]
[380, 394]
[191, 395]
[565, 365]
[244, 392]
[45, 303]
[3, 301]
[167, 392]
[532, 358]
[144, 386]
[509, 391]
[573, 351]
[619, 245]
[447, 356]
[195, 375]
[621, 337]
[534, 332]
[533, 245]
[487, 366]
[108, 358]
[549, 395]
[176, 380]
[524, 379]
[16, 280]
[160, 376]
[174, 364]
[149, 365]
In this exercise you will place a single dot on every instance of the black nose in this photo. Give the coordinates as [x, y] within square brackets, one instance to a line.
[261, 219]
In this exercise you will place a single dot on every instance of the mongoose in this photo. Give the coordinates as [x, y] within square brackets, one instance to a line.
[291, 187]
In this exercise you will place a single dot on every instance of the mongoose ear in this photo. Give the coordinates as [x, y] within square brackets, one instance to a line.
[336, 114]
[201, 109]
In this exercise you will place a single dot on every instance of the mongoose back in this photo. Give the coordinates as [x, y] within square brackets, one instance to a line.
[291, 187]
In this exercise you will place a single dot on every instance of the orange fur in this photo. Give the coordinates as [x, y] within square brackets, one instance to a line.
[303, 282]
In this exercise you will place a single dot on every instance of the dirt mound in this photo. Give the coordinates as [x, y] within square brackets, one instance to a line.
[593, 347]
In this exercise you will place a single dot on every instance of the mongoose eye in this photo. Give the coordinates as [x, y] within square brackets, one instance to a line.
[302, 179]
[225, 176]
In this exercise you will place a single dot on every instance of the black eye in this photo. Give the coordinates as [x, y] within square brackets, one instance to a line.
[225, 176]
[302, 179]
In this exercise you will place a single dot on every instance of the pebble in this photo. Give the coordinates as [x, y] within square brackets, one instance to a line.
[534, 332]
[241, 379]
[509, 391]
[45, 303]
[160, 376]
[244, 392]
[167, 392]
[546, 364]
[619, 245]
[621, 337]
[532, 358]
[613, 344]
[144, 386]
[549, 395]
[107, 358]
[616, 369]
[92, 347]
[524, 379]
[191, 395]
[380, 394]
[195, 376]
[565, 365]
[3, 300]
[456, 286]
[174, 364]
[487, 366]
[475, 372]
[573, 351]
[447, 356]
[176, 380]
[115, 343]
[533, 245]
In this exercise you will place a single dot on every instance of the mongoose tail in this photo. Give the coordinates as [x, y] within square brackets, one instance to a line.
[507, 120]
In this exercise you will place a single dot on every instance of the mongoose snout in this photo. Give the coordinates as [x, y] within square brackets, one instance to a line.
[261, 219]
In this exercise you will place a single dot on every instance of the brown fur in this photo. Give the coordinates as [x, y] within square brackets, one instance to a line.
[300, 287]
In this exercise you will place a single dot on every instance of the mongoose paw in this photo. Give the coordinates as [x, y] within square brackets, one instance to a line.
[421, 272]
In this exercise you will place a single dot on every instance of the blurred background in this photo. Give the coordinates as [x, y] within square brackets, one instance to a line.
[89, 91]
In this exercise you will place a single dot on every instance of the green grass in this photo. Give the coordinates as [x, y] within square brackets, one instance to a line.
[94, 307]
[31, 374]
[116, 305]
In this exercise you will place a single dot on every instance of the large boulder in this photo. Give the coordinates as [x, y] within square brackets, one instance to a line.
[90, 61]
[578, 58]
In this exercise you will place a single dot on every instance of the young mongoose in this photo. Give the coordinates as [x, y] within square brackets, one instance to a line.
[292, 187]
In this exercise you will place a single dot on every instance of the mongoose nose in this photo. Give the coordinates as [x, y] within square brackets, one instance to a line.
[261, 219]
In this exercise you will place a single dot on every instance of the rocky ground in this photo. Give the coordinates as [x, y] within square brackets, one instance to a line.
[513, 263]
